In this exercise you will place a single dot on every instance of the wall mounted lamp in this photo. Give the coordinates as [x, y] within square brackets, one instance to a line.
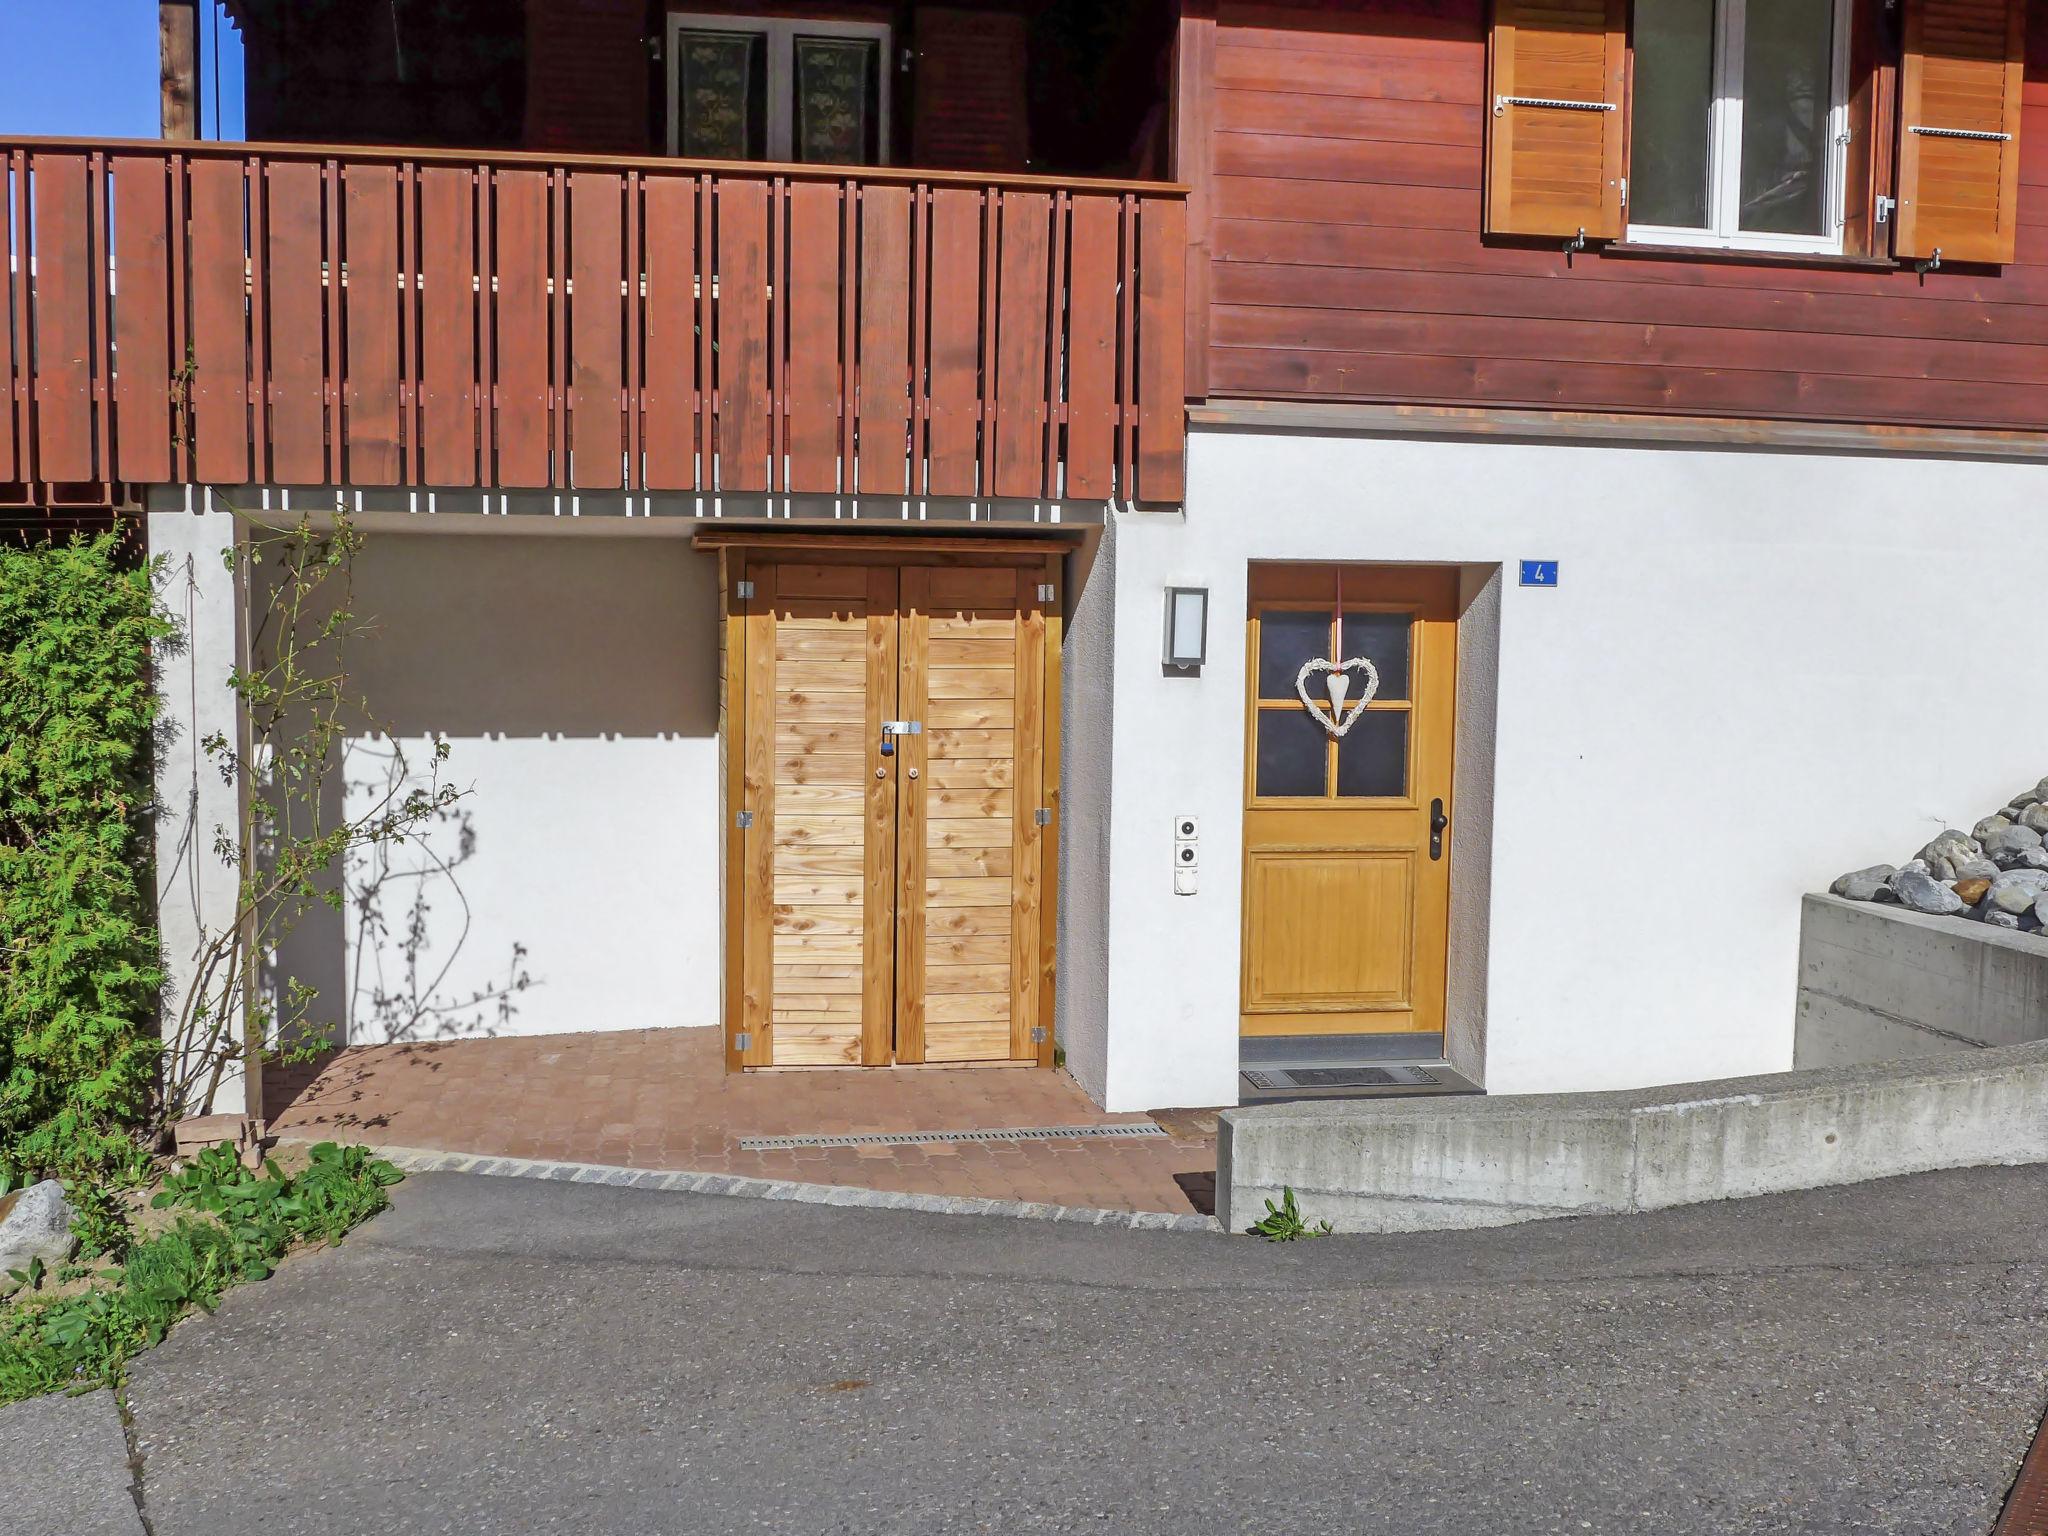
[1187, 627]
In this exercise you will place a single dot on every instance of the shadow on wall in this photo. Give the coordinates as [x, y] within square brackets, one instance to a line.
[574, 886]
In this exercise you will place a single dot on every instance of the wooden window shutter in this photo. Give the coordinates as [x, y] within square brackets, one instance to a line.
[1959, 129]
[1555, 71]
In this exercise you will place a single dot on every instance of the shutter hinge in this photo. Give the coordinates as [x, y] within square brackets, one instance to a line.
[1624, 191]
[742, 1040]
[744, 820]
[1557, 103]
[1038, 1034]
[1985, 134]
[1886, 207]
[1044, 816]
[1045, 591]
[743, 590]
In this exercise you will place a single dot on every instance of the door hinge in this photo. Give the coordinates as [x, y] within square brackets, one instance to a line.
[1038, 1034]
[744, 820]
[743, 590]
[1044, 816]
[742, 1040]
[1045, 591]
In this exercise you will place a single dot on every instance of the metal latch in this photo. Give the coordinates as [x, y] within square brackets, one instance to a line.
[902, 727]
[744, 820]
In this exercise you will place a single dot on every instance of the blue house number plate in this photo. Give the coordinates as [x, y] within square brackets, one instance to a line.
[1539, 573]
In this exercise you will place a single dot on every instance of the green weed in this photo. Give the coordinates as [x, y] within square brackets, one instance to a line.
[236, 1224]
[1282, 1223]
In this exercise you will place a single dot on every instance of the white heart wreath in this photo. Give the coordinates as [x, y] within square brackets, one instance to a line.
[1341, 721]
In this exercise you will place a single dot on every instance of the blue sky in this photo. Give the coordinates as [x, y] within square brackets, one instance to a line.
[88, 68]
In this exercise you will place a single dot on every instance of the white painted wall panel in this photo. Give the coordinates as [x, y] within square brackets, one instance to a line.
[1760, 669]
[574, 678]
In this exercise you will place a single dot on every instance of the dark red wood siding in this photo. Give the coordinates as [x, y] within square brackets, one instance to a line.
[969, 108]
[587, 76]
[1348, 262]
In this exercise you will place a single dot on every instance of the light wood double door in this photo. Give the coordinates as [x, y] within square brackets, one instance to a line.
[893, 775]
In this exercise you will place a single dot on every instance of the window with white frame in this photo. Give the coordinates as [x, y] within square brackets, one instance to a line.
[1740, 124]
[760, 88]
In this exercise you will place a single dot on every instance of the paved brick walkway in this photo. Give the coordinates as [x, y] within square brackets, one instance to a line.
[663, 1099]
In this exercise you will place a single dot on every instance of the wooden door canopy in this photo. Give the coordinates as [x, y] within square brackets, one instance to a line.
[1555, 118]
[507, 320]
[1960, 86]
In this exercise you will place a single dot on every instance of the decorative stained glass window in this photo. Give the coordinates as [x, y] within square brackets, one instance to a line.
[722, 95]
[773, 89]
[837, 105]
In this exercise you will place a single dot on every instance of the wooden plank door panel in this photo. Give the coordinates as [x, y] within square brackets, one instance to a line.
[968, 843]
[821, 674]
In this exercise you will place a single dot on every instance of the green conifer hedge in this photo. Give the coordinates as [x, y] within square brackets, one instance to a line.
[79, 963]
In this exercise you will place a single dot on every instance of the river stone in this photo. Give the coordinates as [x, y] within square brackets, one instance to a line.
[2027, 797]
[2005, 846]
[1923, 893]
[1948, 852]
[2016, 890]
[1864, 884]
[2036, 816]
[1999, 919]
[35, 1223]
[1989, 827]
[2041, 910]
[1971, 891]
[1977, 869]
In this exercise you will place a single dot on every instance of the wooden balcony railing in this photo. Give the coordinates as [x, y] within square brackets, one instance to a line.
[294, 315]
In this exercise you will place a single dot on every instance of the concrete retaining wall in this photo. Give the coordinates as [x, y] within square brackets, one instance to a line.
[1405, 1165]
[1881, 983]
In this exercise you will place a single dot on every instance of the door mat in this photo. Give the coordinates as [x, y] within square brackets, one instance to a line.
[925, 1138]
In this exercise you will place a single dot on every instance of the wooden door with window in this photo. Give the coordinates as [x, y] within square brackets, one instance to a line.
[892, 719]
[1348, 798]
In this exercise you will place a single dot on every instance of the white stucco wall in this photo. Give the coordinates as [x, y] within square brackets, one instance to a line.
[196, 892]
[573, 672]
[1760, 668]
[1087, 746]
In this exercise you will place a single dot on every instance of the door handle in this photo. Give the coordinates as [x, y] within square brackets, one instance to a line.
[1437, 822]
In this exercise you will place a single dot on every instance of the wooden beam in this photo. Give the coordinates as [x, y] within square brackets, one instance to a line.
[177, 32]
[1194, 138]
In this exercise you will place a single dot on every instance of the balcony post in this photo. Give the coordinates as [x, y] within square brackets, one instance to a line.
[177, 31]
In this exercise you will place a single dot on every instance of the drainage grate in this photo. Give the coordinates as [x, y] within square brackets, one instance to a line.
[1341, 1077]
[921, 1138]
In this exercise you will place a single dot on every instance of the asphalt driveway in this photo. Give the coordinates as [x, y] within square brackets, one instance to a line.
[498, 1355]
